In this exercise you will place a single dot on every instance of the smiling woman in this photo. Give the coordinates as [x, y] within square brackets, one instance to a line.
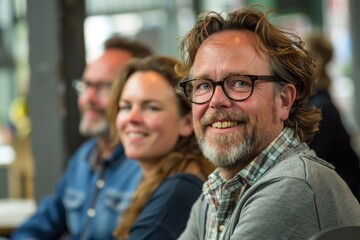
[145, 116]
[154, 126]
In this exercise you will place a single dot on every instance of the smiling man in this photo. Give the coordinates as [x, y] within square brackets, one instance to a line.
[99, 180]
[249, 84]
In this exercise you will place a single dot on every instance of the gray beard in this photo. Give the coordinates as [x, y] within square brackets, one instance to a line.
[101, 128]
[227, 153]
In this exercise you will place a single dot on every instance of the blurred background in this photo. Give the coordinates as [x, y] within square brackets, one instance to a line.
[45, 44]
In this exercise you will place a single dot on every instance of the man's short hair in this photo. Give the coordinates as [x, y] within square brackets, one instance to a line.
[136, 48]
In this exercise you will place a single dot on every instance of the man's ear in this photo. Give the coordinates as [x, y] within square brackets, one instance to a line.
[287, 98]
[186, 126]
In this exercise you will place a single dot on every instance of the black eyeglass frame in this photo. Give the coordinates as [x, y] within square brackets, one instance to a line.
[182, 85]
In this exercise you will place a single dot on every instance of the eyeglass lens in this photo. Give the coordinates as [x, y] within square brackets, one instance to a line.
[235, 87]
[102, 88]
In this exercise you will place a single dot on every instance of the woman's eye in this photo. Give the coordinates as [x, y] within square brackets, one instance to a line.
[153, 108]
[124, 108]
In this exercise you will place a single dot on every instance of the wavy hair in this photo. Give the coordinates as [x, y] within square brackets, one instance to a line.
[185, 153]
[289, 61]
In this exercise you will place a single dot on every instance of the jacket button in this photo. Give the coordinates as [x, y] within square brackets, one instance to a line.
[91, 212]
[100, 183]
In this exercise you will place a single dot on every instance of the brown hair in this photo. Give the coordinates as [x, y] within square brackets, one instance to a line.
[290, 62]
[137, 49]
[185, 152]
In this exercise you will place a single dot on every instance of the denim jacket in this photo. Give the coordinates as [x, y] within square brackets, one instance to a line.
[86, 203]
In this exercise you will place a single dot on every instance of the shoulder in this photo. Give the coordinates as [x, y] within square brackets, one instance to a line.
[320, 99]
[299, 171]
[180, 185]
[300, 162]
[184, 178]
[169, 207]
[323, 100]
[86, 146]
[303, 175]
[177, 190]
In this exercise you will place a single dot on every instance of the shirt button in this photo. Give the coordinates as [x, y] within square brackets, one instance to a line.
[100, 183]
[221, 228]
[91, 212]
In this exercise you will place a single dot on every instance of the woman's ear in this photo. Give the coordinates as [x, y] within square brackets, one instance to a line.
[186, 127]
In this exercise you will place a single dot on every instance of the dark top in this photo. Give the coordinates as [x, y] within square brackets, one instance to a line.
[333, 143]
[166, 213]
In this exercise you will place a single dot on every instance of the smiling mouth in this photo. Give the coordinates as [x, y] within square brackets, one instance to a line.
[136, 135]
[225, 124]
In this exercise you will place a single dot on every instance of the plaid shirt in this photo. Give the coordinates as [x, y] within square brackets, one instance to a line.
[223, 195]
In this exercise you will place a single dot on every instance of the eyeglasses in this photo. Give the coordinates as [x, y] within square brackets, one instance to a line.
[235, 87]
[102, 88]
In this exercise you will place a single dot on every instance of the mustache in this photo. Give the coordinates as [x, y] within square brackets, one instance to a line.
[220, 115]
[93, 108]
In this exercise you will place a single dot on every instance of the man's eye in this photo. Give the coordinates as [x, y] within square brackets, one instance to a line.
[240, 83]
[105, 86]
[234, 84]
[203, 85]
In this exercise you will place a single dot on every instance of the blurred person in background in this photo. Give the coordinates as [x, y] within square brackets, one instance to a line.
[154, 125]
[332, 142]
[99, 180]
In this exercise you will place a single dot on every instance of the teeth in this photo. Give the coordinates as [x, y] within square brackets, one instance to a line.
[136, 135]
[226, 124]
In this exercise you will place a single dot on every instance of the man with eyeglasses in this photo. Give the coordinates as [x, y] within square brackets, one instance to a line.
[99, 180]
[249, 84]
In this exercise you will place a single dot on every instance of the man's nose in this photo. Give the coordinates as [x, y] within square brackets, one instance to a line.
[219, 98]
[90, 94]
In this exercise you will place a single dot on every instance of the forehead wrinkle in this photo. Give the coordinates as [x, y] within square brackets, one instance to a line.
[207, 50]
[215, 51]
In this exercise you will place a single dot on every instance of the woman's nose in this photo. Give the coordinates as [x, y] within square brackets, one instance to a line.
[135, 115]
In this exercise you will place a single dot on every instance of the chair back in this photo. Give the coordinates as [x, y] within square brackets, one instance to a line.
[339, 233]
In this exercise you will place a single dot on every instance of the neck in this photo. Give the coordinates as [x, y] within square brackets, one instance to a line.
[105, 147]
[194, 169]
[149, 168]
[229, 173]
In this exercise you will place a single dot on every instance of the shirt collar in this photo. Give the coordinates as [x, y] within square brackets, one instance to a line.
[117, 156]
[269, 156]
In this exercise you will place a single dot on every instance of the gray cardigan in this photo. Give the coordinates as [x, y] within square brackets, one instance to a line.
[299, 196]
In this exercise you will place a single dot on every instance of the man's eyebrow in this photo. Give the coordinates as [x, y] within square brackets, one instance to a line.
[228, 74]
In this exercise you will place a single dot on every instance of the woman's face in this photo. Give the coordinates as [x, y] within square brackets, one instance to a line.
[149, 122]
